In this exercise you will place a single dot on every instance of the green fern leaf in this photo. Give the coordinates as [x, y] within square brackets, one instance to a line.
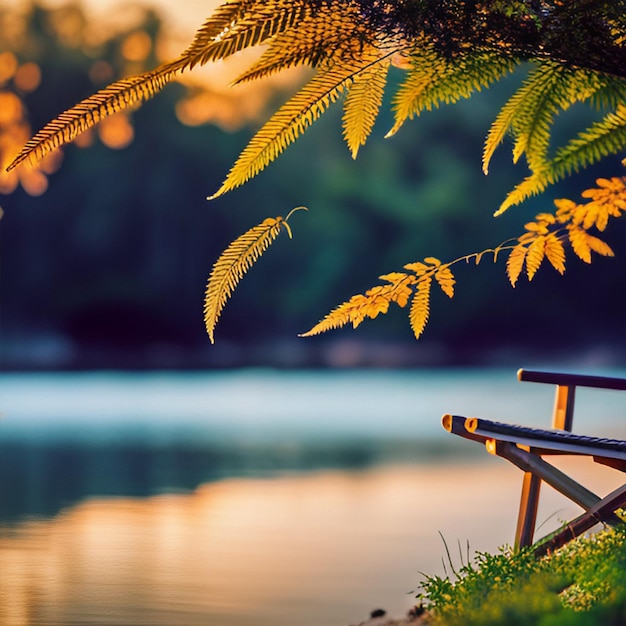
[434, 79]
[362, 103]
[112, 99]
[601, 139]
[606, 137]
[232, 264]
[522, 106]
[420, 307]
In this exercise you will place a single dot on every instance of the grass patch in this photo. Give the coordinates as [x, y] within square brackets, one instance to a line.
[583, 583]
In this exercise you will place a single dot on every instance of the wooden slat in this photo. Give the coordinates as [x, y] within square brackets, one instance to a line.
[576, 380]
[548, 439]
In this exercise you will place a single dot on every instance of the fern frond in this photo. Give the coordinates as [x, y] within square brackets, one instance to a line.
[607, 200]
[535, 255]
[606, 137]
[515, 263]
[292, 119]
[598, 246]
[559, 88]
[445, 280]
[578, 238]
[523, 105]
[216, 26]
[555, 252]
[362, 103]
[232, 264]
[420, 307]
[435, 79]
[243, 25]
[116, 97]
[315, 39]
[370, 304]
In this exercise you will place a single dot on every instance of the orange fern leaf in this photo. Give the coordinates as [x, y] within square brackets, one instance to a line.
[535, 255]
[375, 301]
[578, 238]
[600, 247]
[233, 263]
[555, 252]
[420, 307]
[445, 280]
[515, 263]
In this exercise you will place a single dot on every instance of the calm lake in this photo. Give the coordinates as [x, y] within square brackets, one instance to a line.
[256, 498]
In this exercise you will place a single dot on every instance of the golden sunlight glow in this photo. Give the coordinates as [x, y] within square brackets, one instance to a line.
[116, 131]
[137, 46]
[8, 66]
[27, 77]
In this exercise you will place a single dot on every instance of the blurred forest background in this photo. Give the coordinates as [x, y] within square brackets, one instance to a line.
[106, 248]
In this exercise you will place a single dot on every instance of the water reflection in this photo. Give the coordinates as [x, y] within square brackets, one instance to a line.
[316, 549]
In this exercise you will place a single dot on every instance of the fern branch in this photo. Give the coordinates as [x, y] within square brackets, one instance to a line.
[420, 307]
[434, 80]
[293, 118]
[524, 104]
[231, 266]
[362, 104]
[244, 25]
[318, 37]
[116, 97]
[602, 139]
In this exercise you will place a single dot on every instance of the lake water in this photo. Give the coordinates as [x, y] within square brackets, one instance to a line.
[255, 497]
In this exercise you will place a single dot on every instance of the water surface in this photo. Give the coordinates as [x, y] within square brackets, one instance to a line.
[254, 498]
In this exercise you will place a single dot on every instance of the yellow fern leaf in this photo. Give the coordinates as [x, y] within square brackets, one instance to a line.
[375, 301]
[535, 255]
[565, 210]
[607, 200]
[112, 99]
[445, 280]
[555, 252]
[243, 25]
[515, 263]
[317, 37]
[400, 290]
[419, 268]
[435, 79]
[290, 121]
[233, 263]
[530, 186]
[524, 99]
[578, 239]
[420, 307]
[362, 103]
[599, 246]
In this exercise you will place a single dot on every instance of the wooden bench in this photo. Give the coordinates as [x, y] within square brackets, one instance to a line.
[526, 447]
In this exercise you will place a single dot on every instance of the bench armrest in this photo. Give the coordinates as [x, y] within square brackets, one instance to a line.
[572, 380]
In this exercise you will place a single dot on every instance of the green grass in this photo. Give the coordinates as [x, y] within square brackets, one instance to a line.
[583, 583]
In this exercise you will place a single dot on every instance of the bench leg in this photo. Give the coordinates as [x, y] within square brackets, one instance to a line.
[527, 516]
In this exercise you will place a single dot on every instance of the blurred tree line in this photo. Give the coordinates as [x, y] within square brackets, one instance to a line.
[107, 267]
